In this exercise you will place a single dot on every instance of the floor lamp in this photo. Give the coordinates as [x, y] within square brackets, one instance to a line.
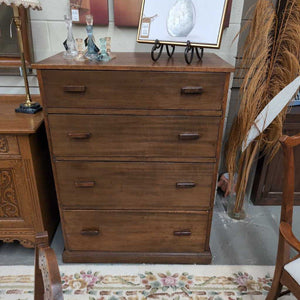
[28, 106]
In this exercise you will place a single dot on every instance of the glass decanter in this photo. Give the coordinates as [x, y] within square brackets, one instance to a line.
[92, 50]
[69, 43]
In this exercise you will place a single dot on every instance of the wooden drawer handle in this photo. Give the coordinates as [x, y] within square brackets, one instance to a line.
[74, 89]
[188, 136]
[79, 135]
[182, 233]
[185, 185]
[84, 184]
[192, 90]
[90, 232]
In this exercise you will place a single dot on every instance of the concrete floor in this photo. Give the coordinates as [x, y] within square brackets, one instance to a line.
[252, 241]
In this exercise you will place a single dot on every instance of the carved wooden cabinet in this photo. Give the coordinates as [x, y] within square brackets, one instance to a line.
[27, 194]
[135, 150]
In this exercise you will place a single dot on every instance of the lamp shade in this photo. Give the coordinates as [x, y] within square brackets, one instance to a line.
[34, 4]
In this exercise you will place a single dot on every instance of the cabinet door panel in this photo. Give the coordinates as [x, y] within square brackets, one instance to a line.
[15, 207]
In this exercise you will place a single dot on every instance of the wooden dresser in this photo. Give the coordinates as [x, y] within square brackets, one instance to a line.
[135, 149]
[27, 194]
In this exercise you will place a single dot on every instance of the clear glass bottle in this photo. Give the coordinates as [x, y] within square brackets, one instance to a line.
[69, 43]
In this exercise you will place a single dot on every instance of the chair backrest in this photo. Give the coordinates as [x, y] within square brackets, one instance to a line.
[286, 237]
[47, 283]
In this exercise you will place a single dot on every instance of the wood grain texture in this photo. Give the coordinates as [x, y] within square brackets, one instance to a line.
[9, 206]
[135, 148]
[137, 61]
[132, 231]
[137, 257]
[8, 145]
[134, 185]
[27, 201]
[16, 123]
[133, 90]
[43, 175]
[120, 136]
[137, 112]
[15, 207]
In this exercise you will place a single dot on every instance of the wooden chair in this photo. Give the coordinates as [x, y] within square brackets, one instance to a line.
[47, 283]
[287, 270]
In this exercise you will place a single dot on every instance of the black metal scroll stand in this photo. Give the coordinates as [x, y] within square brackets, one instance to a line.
[158, 46]
[188, 53]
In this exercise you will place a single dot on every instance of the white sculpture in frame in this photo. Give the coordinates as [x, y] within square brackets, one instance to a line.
[178, 21]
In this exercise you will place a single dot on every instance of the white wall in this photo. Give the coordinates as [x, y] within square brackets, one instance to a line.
[49, 31]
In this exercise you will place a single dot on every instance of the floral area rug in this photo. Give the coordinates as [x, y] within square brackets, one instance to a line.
[137, 282]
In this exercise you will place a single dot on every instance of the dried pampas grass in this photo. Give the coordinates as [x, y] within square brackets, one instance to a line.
[271, 57]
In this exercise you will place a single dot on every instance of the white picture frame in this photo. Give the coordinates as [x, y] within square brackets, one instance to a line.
[177, 21]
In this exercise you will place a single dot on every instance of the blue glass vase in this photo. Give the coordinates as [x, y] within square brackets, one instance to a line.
[92, 49]
[103, 55]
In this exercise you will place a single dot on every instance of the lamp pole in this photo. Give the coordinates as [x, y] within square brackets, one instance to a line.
[29, 106]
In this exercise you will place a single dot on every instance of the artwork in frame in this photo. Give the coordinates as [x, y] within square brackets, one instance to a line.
[10, 60]
[178, 21]
[97, 8]
[127, 13]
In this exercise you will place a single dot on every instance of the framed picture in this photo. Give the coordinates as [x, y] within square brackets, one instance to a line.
[127, 13]
[10, 60]
[97, 8]
[178, 21]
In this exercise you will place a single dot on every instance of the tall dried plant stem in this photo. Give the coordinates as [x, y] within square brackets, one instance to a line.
[271, 57]
[250, 155]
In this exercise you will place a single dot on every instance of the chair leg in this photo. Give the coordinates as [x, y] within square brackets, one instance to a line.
[38, 279]
[276, 287]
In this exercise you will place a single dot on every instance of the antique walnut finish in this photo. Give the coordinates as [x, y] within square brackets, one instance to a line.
[135, 148]
[27, 196]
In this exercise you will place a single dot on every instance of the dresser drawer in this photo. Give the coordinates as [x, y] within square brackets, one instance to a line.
[137, 136]
[135, 231]
[130, 90]
[135, 185]
[8, 145]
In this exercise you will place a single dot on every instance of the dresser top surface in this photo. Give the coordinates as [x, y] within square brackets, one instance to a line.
[17, 123]
[137, 61]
